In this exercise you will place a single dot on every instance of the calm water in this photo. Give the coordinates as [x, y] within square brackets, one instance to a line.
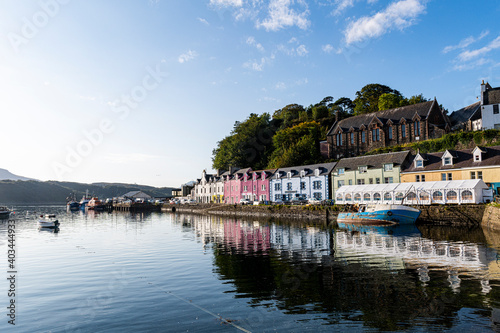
[181, 273]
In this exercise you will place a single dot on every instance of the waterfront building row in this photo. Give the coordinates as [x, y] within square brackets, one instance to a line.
[322, 181]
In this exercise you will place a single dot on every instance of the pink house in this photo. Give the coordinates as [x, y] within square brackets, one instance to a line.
[233, 186]
[255, 185]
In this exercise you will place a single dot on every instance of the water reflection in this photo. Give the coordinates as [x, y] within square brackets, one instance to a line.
[386, 278]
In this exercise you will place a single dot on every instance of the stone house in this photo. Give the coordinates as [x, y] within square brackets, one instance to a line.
[490, 104]
[304, 182]
[467, 118]
[371, 169]
[357, 135]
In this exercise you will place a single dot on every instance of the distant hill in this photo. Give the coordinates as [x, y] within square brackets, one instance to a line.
[37, 192]
[7, 175]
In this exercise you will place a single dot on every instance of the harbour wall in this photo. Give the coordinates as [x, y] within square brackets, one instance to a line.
[451, 215]
[491, 218]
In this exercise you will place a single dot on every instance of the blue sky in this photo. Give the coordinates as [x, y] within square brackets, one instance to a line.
[141, 91]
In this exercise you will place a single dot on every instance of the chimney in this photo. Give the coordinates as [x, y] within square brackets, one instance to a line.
[483, 93]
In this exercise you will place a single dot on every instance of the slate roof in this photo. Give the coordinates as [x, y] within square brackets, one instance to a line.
[324, 168]
[132, 194]
[462, 159]
[469, 112]
[395, 115]
[374, 161]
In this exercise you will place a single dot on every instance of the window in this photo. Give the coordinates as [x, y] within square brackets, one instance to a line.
[348, 197]
[388, 180]
[255, 188]
[339, 198]
[472, 175]
[370, 180]
[399, 196]
[437, 196]
[388, 167]
[477, 158]
[367, 197]
[443, 177]
[452, 195]
[277, 187]
[422, 177]
[263, 187]
[479, 175]
[352, 138]
[466, 195]
[289, 174]
[403, 131]
[361, 182]
[495, 109]
[450, 177]
[390, 132]
[340, 183]
[357, 197]
[341, 171]
[447, 161]
[387, 196]
[277, 197]
[317, 196]
[377, 180]
[289, 186]
[375, 134]
[350, 181]
[363, 139]
[317, 185]
[245, 188]
[363, 169]
[417, 178]
[302, 173]
[417, 128]
[302, 185]
[376, 197]
[419, 164]
[424, 196]
[411, 196]
[339, 139]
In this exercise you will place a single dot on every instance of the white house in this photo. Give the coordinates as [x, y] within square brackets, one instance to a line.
[305, 182]
[490, 101]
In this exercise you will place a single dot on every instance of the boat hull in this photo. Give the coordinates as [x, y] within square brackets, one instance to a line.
[4, 215]
[380, 217]
[48, 224]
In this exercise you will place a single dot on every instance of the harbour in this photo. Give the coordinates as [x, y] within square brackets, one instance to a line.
[171, 272]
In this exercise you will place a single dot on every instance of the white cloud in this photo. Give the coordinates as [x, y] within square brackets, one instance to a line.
[302, 51]
[280, 86]
[469, 55]
[327, 48]
[465, 42]
[202, 20]
[227, 3]
[256, 65]
[189, 55]
[281, 16]
[398, 15]
[252, 42]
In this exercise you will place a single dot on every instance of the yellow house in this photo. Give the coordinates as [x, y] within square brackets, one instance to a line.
[476, 163]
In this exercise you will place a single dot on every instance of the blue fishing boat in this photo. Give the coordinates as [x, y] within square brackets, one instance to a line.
[380, 214]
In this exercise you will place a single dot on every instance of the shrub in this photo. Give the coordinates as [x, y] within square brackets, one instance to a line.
[478, 138]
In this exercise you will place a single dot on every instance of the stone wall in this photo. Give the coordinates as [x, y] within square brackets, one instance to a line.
[491, 217]
[463, 215]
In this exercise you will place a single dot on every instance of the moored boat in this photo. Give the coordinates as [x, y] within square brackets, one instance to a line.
[95, 204]
[73, 205]
[4, 212]
[380, 214]
[48, 221]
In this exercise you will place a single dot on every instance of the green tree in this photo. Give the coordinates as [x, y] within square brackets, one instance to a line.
[288, 114]
[389, 101]
[296, 145]
[319, 112]
[415, 99]
[248, 145]
[366, 100]
[344, 107]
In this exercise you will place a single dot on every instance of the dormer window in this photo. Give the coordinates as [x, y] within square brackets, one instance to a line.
[316, 172]
[363, 169]
[289, 174]
[388, 167]
[302, 173]
[341, 171]
[447, 158]
[419, 164]
[477, 154]
[263, 176]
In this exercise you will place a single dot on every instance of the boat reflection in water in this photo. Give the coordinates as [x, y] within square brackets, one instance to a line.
[388, 277]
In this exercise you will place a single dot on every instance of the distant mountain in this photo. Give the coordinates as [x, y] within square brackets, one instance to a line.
[7, 175]
[53, 192]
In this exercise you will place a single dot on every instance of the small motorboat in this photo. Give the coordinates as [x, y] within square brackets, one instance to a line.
[73, 205]
[48, 221]
[4, 212]
[380, 214]
[95, 204]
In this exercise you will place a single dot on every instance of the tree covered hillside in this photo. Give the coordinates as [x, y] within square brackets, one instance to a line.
[291, 135]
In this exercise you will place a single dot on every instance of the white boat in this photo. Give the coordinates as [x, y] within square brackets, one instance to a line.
[48, 221]
[4, 212]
